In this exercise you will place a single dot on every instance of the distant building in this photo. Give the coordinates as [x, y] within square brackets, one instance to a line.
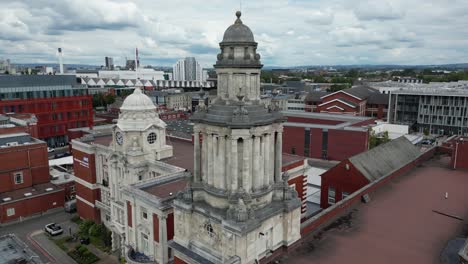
[187, 69]
[357, 100]
[439, 111]
[109, 63]
[130, 65]
[172, 100]
[142, 74]
[58, 101]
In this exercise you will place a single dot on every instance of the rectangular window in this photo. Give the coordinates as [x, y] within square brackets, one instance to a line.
[144, 215]
[345, 194]
[325, 144]
[306, 142]
[10, 211]
[331, 195]
[19, 177]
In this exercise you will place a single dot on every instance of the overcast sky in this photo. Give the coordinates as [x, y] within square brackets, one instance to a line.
[289, 33]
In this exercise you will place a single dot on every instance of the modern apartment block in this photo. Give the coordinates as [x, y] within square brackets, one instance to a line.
[187, 69]
[58, 101]
[439, 111]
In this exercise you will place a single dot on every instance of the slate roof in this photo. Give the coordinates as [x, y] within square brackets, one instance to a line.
[385, 158]
[362, 91]
[7, 81]
[315, 96]
[378, 98]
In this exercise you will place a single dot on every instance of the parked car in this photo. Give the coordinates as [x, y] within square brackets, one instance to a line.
[53, 229]
[61, 155]
[50, 150]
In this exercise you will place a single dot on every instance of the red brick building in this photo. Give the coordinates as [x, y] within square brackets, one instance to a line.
[356, 172]
[25, 187]
[325, 136]
[358, 100]
[457, 146]
[58, 101]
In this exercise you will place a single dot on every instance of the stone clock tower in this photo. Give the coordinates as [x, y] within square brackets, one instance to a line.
[238, 207]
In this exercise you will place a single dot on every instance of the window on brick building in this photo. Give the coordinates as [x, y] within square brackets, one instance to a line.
[10, 211]
[331, 195]
[345, 194]
[293, 150]
[19, 177]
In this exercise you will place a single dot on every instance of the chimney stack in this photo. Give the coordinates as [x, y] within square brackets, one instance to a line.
[60, 60]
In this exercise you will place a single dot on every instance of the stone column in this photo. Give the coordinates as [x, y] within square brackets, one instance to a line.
[221, 173]
[267, 159]
[246, 173]
[196, 165]
[257, 179]
[262, 161]
[162, 238]
[278, 155]
[204, 156]
[271, 155]
[233, 180]
[210, 139]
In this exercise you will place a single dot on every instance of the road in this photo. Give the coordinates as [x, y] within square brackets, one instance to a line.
[58, 150]
[31, 233]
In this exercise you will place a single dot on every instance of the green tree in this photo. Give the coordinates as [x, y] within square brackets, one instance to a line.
[375, 140]
[109, 99]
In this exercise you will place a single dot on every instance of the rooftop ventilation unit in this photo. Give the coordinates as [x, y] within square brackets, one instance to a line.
[27, 194]
[6, 199]
[49, 189]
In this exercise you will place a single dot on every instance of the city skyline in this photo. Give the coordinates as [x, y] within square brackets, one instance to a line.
[291, 33]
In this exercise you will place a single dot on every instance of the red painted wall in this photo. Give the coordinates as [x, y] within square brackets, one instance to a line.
[170, 226]
[460, 154]
[86, 193]
[342, 95]
[343, 144]
[330, 109]
[342, 180]
[178, 261]
[31, 159]
[84, 166]
[87, 212]
[34, 205]
[129, 214]
[156, 227]
[293, 137]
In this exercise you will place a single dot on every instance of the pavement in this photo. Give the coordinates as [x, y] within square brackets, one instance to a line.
[31, 232]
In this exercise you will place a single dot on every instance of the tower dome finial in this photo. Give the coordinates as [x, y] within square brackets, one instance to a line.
[238, 15]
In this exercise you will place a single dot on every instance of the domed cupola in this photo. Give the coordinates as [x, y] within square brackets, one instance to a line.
[238, 48]
[138, 113]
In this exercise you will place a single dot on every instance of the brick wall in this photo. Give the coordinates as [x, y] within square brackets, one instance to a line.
[34, 205]
[31, 160]
[343, 144]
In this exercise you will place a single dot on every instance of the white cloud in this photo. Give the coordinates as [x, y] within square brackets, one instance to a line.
[289, 32]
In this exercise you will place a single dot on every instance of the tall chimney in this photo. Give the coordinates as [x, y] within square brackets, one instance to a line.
[60, 60]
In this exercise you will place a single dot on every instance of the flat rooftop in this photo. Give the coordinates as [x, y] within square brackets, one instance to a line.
[398, 225]
[31, 192]
[167, 189]
[14, 250]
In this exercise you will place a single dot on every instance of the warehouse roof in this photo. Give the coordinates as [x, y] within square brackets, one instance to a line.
[385, 158]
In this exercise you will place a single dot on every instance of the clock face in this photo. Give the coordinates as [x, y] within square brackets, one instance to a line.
[119, 138]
